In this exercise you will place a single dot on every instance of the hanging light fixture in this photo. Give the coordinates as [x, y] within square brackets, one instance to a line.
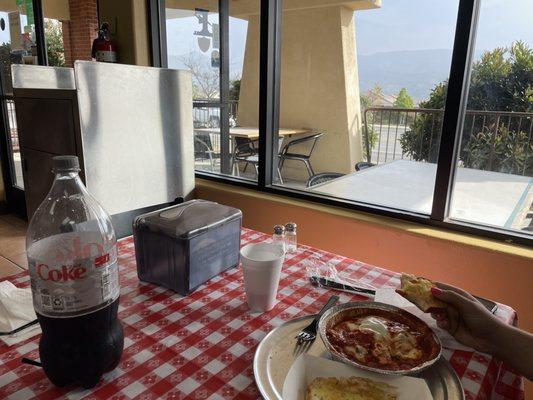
[204, 35]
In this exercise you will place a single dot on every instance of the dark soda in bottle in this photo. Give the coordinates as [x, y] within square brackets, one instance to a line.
[72, 257]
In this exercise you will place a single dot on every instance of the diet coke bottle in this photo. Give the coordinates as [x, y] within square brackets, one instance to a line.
[72, 257]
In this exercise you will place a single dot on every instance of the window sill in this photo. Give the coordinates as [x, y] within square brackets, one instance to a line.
[383, 221]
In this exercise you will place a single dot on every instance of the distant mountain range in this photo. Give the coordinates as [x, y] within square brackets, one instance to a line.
[418, 71]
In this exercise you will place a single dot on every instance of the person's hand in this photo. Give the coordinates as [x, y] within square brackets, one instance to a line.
[465, 318]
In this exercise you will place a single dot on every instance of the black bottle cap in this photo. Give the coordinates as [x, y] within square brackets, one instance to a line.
[66, 163]
[290, 227]
[279, 229]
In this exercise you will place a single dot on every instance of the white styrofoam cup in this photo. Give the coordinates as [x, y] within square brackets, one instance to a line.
[261, 265]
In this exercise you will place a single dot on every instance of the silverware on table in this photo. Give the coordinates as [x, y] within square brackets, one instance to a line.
[331, 284]
[307, 336]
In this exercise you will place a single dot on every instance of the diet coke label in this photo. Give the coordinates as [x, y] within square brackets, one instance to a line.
[63, 274]
[72, 274]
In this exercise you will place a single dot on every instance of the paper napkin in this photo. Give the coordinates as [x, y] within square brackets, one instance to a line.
[16, 310]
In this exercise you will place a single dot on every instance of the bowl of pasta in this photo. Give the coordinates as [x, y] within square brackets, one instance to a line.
[379, 337]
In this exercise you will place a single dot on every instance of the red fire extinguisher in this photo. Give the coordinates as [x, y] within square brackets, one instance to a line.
[104, 49]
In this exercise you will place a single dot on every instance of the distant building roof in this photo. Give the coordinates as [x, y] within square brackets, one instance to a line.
[380, 99]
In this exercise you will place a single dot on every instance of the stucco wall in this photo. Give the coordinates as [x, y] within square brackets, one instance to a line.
[128, 20]
[319, 84]
[141, 39]
[56, 9]
[248, 113]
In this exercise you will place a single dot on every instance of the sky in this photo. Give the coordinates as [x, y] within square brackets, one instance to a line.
[181, 40]
[430, 24]
[397, 26]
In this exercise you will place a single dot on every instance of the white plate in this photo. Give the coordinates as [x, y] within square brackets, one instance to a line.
[274, 358]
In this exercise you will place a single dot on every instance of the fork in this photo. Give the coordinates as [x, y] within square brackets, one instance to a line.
[306, 337]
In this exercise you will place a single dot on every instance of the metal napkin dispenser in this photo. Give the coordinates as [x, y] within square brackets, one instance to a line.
[183, 246]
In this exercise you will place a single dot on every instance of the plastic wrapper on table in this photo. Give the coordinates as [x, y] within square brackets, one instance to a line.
[323, 272]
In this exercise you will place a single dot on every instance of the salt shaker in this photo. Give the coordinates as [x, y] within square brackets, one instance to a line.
[279, 236]
[291, 244]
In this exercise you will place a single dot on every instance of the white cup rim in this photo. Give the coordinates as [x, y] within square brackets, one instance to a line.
[279, 253]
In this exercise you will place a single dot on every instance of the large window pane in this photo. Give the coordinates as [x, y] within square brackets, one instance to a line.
[58, 24]
[17, 38]
[493, 181]
[194, 43]
[363, 85]
[244, 30]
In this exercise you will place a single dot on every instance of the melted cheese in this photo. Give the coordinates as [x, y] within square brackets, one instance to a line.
[352, 326]
[377, 326]
[404, 346]
[357, 351]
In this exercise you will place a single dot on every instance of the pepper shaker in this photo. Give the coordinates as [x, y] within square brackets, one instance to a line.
[291, 243]
[279, 236]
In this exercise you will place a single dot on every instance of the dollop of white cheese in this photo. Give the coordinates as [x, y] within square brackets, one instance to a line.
[375, 325]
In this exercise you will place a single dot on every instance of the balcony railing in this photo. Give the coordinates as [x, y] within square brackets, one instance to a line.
[206, 113]
[491, 140]
[209, 144]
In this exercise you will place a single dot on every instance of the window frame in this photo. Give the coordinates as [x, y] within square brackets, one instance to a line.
[14, 194]
[269, 108]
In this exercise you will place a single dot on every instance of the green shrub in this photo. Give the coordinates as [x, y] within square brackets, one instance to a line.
[373, 140]
[504, 151]
[501, 81]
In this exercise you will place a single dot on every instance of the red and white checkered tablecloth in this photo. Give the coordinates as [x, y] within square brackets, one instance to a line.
[202, 346]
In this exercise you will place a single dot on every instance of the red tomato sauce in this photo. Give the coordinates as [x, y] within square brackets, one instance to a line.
[340, 336]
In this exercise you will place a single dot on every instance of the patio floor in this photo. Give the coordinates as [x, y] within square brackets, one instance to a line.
[250, 174]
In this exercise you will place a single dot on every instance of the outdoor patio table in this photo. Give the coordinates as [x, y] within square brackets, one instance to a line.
[485, 197]
[202, 346]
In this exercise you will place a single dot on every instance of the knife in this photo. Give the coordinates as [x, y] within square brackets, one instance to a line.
[329, 283]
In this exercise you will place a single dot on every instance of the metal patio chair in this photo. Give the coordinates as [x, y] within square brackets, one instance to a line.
[244, 152]
[323, 177]
[363, 165]
[203, 150]
[287, 154]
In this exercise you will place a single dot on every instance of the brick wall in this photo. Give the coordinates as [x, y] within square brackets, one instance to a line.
[80, 31]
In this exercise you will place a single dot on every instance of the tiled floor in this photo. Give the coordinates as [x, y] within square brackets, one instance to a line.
[12, 245]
